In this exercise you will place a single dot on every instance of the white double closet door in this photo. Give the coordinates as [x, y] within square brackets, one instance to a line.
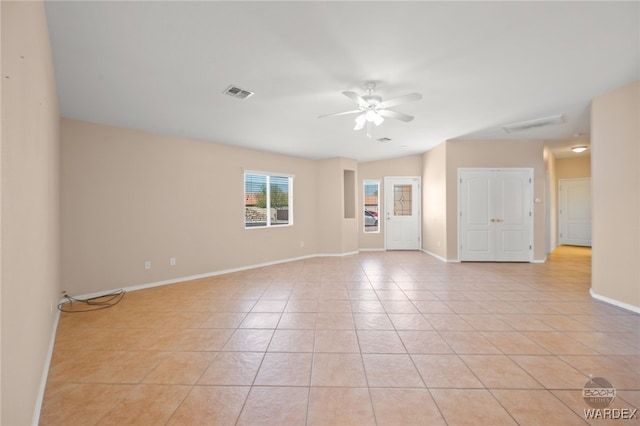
[495, 215]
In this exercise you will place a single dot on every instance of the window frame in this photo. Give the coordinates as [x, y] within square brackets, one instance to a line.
[268, 176]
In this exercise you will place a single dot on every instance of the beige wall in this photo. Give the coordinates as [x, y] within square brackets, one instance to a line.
[378, 170]
[336, 234]
[329, 218]
[349, 195]
[573, 168]
[615, 144]
[30, 206]
[551, 171]
[496, 154]
[131, 196]
[434, 201]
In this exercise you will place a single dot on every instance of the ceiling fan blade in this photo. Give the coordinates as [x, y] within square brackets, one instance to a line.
[340, 113]
[356, 98]
[400, 100]
[395, 114]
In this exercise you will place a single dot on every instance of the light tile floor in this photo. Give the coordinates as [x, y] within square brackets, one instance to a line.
[375, 338]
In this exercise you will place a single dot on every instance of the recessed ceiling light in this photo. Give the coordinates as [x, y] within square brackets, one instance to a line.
[579, 149]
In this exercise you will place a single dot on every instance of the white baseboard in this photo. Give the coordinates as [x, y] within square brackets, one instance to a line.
[440, 257]
[543, 260]
[373, 249]
[349, 253]
[614, 302]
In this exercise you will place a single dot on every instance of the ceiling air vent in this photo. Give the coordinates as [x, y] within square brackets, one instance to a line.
[383, 140]
[531, 124]
[237, 92]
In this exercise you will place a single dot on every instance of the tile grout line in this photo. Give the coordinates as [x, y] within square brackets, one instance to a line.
[244, 403]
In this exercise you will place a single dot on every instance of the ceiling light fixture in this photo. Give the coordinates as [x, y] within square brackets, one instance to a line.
[371, 108]
[530, 124]
[374, 117]
[579, 149]
[366, 118]
[360, 121]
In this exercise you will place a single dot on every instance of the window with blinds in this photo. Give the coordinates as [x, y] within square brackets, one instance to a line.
[268, 199]
[371, 205]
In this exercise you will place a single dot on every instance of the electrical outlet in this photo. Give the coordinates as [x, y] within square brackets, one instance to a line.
[147, 265]
[301, 243]
[172, 261]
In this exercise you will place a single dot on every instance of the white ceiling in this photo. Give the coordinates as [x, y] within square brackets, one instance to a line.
[162, 67]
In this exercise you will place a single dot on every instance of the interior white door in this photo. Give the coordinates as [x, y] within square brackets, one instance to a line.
[513, 215]
[477, 236]
[495, 221]
[575, 211]
[402, 213]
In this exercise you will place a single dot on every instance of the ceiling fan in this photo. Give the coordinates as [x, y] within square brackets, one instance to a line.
[372, 109]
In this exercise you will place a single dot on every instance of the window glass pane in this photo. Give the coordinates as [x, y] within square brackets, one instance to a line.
[371, 206]
[279, 200]
[255, 200]
[402, 200]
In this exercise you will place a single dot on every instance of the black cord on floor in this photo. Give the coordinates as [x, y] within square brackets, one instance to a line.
[94, 303]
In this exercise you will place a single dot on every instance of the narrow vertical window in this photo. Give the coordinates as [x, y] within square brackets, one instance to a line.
[371, 206]
[268, 200]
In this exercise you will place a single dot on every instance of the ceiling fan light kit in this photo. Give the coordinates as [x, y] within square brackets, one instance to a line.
[372, 109]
